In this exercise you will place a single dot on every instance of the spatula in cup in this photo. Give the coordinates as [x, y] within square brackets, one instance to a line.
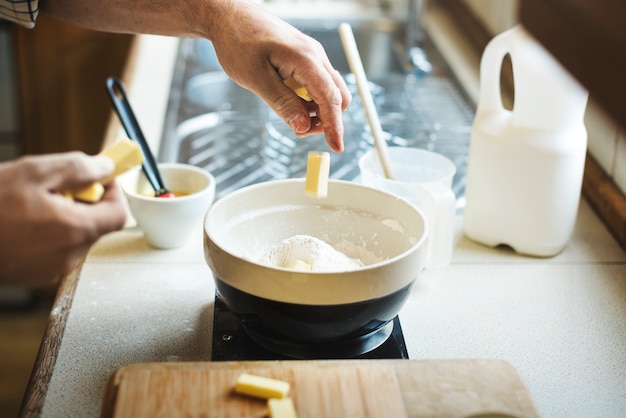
[124, 111]
[356, 66]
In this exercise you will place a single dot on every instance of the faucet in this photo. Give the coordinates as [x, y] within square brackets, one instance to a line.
[414, 37]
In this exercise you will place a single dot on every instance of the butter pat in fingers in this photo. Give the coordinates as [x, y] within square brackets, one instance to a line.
[126, 154]
[317, 173]
[301, 91]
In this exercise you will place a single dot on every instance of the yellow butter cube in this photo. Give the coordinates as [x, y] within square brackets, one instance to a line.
[261, 387]
[317, 173]
[300, 90]
[281, 408]
[92, 193]
[126, 154]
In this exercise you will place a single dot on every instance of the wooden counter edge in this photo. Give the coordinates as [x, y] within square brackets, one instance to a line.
[35, 394]
[606, 199]
[32, 403]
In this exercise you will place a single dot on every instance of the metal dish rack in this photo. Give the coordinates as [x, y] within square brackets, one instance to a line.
[213, 123]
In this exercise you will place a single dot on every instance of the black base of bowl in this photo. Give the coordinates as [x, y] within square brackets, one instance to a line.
[232, 343]
[345, 348]
[320, 331]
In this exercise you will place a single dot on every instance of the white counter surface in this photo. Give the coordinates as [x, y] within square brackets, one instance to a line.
[560, 321]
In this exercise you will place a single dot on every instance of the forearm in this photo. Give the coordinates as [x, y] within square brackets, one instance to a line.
[255, 48]
[182, 18]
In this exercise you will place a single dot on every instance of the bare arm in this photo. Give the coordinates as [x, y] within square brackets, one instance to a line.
[256, 49]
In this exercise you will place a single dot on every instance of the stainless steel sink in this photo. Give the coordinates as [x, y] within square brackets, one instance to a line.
[213, 123]
[378, 43]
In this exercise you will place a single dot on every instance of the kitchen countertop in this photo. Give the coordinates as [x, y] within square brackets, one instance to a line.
[560, 321]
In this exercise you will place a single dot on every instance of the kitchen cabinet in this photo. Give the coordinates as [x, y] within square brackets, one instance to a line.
[61, 74]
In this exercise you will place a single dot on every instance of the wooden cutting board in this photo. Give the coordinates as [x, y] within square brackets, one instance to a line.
[321, 388]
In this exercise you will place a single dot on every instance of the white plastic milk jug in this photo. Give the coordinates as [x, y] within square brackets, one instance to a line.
[526, 165]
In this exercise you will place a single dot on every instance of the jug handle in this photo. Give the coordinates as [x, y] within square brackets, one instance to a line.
[490, 96]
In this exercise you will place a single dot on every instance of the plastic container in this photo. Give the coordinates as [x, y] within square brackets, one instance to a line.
[424, 178]
[525, 165]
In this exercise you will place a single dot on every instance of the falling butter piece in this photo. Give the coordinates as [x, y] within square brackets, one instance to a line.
[317, 172]
[126, 154]
[261, 387]
[300, 90]
[281, 408]
[299, 265]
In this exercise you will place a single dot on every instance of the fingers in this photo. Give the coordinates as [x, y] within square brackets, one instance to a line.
[107, 215]
[47, 227]
[110, 210]
[67, 170]
[331, 101]
[264, 51]
[330, 97]
[328, 90]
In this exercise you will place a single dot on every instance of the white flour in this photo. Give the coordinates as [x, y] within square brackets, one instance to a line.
[304, 252]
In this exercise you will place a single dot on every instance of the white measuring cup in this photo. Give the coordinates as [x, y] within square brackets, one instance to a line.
[424, 178]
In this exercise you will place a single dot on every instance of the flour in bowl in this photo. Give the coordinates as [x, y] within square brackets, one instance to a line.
[304, 252]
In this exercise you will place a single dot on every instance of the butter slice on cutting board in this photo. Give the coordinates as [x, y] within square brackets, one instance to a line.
[261, 387]
[281, 408]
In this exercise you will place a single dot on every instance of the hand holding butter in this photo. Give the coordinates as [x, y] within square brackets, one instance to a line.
[301, 91]
[318, 162]
[126, 154]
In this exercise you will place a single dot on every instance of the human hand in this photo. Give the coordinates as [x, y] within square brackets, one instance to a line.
[258, 51]
[43, 234]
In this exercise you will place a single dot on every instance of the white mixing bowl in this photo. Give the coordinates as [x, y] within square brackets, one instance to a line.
[315, 313]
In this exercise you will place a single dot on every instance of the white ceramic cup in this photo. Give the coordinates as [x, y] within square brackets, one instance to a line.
[424, 178]
[169, 222]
